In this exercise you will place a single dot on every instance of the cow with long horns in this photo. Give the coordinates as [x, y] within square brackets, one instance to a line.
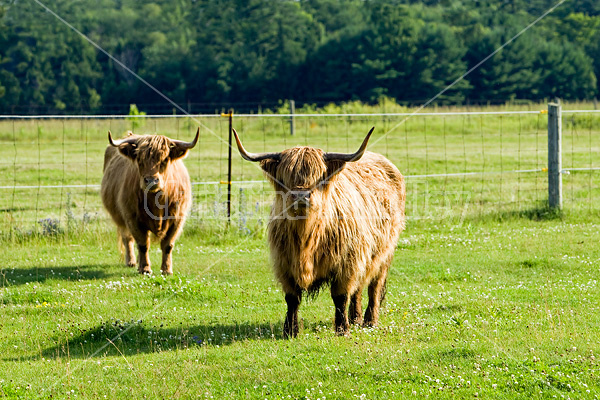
[146, 189]
[336, 219]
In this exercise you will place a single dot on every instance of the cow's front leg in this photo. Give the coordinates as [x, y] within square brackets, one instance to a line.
[167, 263]
[128, 241]
[144, 267]
[166, 245]
[340, 301]
[142, 238]
[290, 326]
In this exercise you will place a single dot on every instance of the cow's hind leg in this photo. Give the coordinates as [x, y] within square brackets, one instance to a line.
[355, 310]
[127, 241]
[290, 326]
[376, 294]
[340, 301]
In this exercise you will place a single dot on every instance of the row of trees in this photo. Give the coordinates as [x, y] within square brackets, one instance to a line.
[245, 52]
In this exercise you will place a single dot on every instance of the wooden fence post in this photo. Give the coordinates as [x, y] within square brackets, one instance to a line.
[554, 156]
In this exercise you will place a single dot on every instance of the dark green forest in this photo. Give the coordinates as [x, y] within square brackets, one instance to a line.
[206, 54]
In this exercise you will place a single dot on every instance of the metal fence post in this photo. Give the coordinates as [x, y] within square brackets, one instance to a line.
[292, 111]
[554, 156]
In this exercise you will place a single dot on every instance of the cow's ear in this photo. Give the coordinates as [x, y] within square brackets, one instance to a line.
[177, 152]
[334, 167]
[269, 165]
[128, 150]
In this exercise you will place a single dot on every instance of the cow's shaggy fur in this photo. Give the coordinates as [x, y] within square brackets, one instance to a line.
[138, 211]
[346, 237]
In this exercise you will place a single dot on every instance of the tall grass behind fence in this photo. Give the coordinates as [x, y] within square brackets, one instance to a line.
[457, 165]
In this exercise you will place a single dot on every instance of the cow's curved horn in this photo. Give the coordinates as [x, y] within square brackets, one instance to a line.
[117, 143]
[348, 157]
[187, 145]
[253, 156]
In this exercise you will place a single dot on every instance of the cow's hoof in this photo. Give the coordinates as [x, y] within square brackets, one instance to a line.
[289, 335]
[342, 331]
[290, 331]
[369, 323]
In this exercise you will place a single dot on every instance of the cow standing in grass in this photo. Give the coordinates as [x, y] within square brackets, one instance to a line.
[336, 218]
[146, 189]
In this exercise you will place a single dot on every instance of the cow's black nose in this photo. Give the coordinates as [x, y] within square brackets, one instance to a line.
[301, 197]
[150, 182]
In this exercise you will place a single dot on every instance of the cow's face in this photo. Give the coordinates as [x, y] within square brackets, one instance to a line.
[302, 175]
[152, 155]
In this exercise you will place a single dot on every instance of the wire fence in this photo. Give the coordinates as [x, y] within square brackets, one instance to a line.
[457, 165]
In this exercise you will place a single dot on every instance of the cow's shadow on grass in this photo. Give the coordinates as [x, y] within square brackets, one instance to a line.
[125, 339]
[118, 338]
[21, 276]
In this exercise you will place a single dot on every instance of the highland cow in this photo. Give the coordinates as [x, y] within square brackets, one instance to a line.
[336, 219]
[146, 189]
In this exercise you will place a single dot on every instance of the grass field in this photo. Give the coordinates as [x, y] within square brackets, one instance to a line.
[488, 309]
[490, 294]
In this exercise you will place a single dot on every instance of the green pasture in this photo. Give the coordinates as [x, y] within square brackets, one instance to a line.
[51, 169]
[483, 310]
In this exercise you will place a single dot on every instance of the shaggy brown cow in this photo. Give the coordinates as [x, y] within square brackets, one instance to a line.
[146, 188]
[335, 219]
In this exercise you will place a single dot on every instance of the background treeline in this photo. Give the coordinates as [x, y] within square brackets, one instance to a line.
[204, 54]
